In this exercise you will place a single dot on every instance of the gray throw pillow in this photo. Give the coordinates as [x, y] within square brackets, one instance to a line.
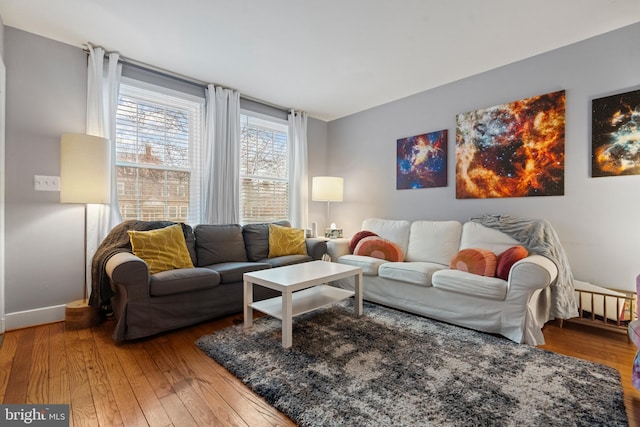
[256, 239]
[219, 243]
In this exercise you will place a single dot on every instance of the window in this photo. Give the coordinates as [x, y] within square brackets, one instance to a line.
[158, 138]
[264, 169]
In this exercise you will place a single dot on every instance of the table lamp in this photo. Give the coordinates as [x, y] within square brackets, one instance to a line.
[327, 189]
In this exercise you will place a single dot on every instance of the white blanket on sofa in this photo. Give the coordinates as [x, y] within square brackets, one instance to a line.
[539, 237]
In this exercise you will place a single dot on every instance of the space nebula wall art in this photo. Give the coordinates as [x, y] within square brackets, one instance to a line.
[421, 161]
[615, 135]
[512, 150]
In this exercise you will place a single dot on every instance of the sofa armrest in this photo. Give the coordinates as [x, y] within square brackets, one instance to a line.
[126, 269]
[533, 272]
[316, 247]
[337, 248]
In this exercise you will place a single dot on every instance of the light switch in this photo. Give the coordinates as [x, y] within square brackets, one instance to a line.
[46, 183]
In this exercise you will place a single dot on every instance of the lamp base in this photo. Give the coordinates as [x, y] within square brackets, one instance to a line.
[80, 315]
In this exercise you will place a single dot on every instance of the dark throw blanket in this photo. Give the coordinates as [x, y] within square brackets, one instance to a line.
[117, 241]
[539, 237]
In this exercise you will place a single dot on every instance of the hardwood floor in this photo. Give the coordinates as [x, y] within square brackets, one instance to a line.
[167, 381]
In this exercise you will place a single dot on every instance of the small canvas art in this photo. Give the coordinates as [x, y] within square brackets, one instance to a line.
[512, 150]
[421, 161]
[615, 135]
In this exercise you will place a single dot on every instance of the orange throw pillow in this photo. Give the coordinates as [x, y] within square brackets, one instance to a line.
[377, 247]
[475, 261]
[359, 236]
[507, 258]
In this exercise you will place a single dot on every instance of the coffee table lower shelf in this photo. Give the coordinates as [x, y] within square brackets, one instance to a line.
[303, 301]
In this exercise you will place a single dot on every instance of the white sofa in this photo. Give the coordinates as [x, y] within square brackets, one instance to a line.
[424, 284]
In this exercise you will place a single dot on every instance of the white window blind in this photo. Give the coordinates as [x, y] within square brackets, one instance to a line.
[264, 169]
[158, 139]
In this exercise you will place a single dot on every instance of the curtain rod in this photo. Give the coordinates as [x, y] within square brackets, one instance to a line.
[181, 77]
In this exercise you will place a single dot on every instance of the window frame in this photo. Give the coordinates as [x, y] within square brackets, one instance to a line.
[285, 127]
[194, 152]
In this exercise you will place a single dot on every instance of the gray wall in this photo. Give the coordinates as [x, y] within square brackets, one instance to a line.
[1, 37]
[317, 159]
[46, 97]
[596, 219]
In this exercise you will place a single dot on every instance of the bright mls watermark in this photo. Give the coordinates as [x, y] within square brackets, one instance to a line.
[34, 415]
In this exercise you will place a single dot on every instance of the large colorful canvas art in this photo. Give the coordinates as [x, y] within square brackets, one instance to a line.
[615, 135]
[422, 161]
[512, 150]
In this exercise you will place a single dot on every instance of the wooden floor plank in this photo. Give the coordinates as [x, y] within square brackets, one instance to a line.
[119, 386]
[18, 382]
[59, 391]
[83, 410]
[199, 408]
[176, 410]
[7, 356]
[148, 408]
[38, 388]
[186, 387]
[107, 411]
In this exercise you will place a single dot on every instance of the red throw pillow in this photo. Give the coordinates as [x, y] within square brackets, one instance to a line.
[378, 247]
[359, 236]
[476, 261]
[507, 258]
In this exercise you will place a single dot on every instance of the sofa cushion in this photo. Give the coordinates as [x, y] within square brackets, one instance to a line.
[378, 247]
[162, 249]
[475, 235]
[369, 265]
[475, 261]
[216, 243]
[286, 241]
[416, 273]
[507, 258]
[231, 272]
[462, 282]
[182, 280]
[286, 260]
[256, 239]
[395, 230]
[434, 241]
[359, 236]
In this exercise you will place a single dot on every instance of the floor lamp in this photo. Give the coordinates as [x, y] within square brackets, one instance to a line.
[327, 189]
[84, 179]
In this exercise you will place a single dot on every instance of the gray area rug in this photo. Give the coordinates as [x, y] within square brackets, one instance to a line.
[389, 368]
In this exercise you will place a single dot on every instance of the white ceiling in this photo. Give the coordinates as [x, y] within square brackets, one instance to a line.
[330, 58]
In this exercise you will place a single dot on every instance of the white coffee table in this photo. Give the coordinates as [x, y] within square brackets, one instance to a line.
[303, 288]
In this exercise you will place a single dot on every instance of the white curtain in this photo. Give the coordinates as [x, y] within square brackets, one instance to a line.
[103, 83]
[298, 170]
[221, 157]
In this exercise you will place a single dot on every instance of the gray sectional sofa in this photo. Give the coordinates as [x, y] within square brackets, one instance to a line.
[145, 304]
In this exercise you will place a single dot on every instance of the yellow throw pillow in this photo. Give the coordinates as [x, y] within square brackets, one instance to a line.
[286, 241]
[162, 249]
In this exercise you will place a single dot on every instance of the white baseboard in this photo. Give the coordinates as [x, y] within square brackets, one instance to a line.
[40, 316]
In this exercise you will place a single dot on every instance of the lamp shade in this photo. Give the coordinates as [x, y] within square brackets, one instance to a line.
[327, 188]
[84, 169]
